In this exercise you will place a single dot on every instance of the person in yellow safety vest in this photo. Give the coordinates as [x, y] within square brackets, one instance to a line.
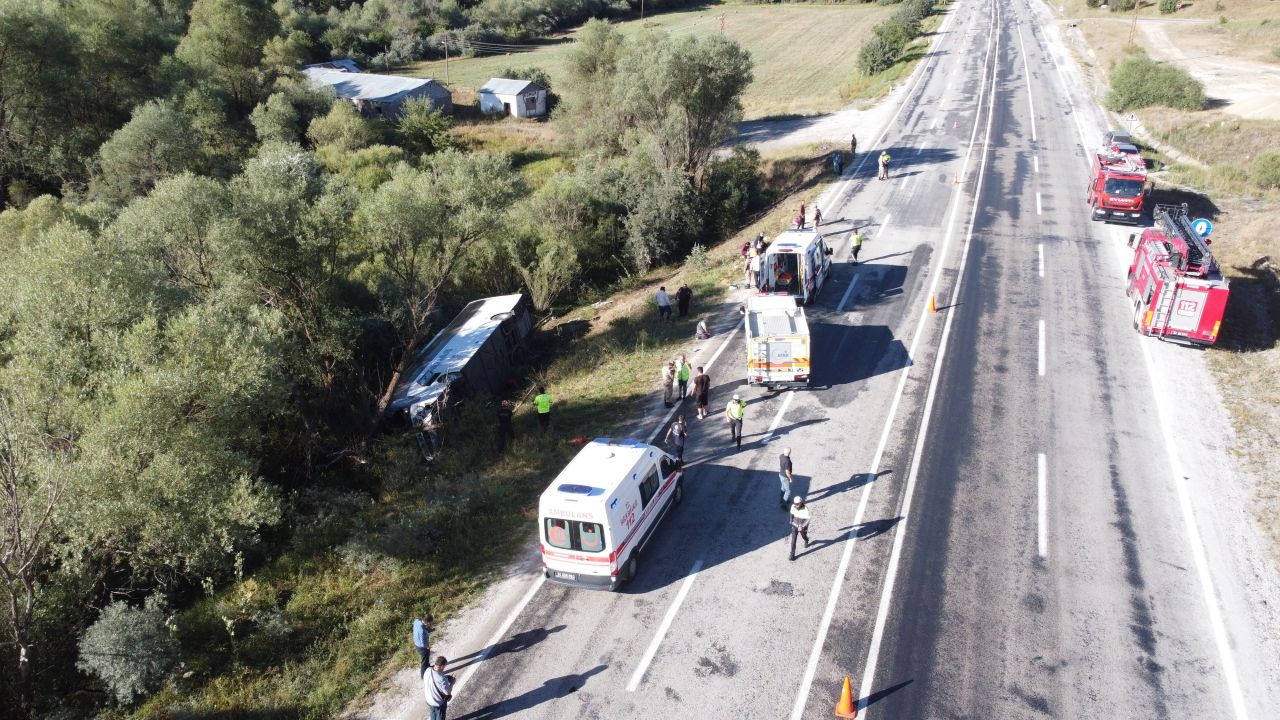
[683, 371]
[799, 523]
[857, 244]
[884, 165]
[734, 412]
[543, 403]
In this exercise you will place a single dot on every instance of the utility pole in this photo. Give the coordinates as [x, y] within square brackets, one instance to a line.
[722, 23]
[641, 9]
[1134, 27]
[446, 61]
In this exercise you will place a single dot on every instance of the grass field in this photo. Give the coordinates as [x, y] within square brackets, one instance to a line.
[803, 53]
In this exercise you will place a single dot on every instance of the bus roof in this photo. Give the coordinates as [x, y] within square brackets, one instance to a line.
[597, 470]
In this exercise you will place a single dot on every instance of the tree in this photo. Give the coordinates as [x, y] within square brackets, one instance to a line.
[343, 128]
[158, 142]
[549, 232]
[423, 129]
[416, 231]
[32, 480]
[225, 38]
[129, 648]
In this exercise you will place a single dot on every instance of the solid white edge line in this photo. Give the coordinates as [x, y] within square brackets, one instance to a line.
[707, 368]
[1042, 505]
[1040, 250]
[502, 631]
[652, 650]
[1040, 348]
[900, 530]
[837, 582]
[1026, 71]
[1198, 556]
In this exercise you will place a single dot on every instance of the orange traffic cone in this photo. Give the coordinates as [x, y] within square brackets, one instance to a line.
[845, 708]
[933, 305]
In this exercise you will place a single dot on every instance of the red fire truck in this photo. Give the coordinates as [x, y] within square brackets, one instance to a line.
[1178, 292]
[1117, 186]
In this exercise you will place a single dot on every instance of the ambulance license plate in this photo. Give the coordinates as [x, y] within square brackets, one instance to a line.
[563, 575]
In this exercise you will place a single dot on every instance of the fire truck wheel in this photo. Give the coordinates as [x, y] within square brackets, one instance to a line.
[1137, 316]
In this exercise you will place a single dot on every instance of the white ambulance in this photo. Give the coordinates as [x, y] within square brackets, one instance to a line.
[597, 515]
[796, 263]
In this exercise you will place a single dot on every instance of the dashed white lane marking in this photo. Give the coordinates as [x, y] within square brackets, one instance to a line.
[1039, 210]
[1040, 251]
[777, 419]
[900, 531]
[1040, 345]
[848, 291]
[936, 120]
[1035, 160]
[923, 147]
[652, 650]
[1198, 556]
[1042, 505]
[837, 582]
[1026, 71]
[502, 631]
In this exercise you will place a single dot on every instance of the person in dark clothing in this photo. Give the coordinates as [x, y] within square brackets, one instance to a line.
[785, 477]
[506, 428]
[758, 245]
[676, 435]
[701, 392]
[683, 297]
[853, 146]
[800, 517]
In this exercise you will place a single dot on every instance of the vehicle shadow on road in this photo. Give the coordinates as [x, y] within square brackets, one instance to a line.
[552, 689]
[514, 644]
[855, 352]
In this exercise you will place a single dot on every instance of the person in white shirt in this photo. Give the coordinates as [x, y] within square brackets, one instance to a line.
[664, 304]
[438, 688]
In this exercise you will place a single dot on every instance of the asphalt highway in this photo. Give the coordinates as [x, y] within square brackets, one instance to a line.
[999, 521]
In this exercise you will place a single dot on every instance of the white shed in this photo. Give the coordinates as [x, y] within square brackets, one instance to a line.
[518, 98]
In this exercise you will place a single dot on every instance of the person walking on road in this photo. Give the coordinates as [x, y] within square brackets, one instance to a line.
[683, 297]
[668, 382]
[676, 435]
[422, 641]
[799, 523]
[853, 146]
[683, 371]
[506, 426]
[734, 412]
[701, 391]
[438, 689]
[784, 475]
[753, 269]
[884, 165]
[664, 304]
[800, 218]
[857, 244]
[543, 403]
[837, 161]
[817, 217]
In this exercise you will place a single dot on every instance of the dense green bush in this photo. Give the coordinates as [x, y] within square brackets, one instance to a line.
[1093, 3]
[1138, 82]
[1168, 7]
[129, 649]
[877, 54]
[1121, 5]
[1266, 169]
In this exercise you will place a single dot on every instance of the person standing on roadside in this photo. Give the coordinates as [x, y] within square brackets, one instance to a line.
[753, 269]
[668, 382]
[683, 371]
[664, 304]
[785, 477]
[758, 245]
[857, 244]
[683, 297]
[506, 425]
[676, 435]
[800, 218]
[734, 412]
[422, 641]
[800, 517]
[853, 146]
[817, 217]
[543, 402]
[884, 165]
[438, 688]
[701, 391]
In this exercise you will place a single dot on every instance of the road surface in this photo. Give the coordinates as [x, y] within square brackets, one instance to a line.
[1021, 508]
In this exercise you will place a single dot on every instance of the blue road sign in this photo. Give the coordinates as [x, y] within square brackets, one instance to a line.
[1202, 227]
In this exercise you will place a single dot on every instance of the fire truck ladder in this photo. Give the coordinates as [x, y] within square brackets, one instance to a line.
[1174, 222]
[1164, 306]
